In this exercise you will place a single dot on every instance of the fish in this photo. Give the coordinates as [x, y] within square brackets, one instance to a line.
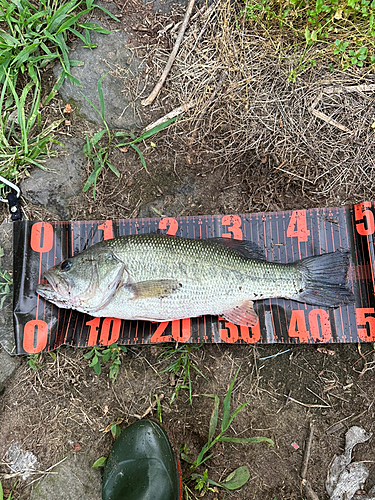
[156, 277]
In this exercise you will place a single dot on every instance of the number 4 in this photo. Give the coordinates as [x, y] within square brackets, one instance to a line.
[298, 226]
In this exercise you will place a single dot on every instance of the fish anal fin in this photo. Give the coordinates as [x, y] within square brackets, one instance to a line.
[243, 315]
[153, 288]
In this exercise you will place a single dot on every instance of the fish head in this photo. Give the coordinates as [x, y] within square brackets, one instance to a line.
[85, 282]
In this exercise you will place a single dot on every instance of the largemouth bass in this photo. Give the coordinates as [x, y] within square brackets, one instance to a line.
[155, 277]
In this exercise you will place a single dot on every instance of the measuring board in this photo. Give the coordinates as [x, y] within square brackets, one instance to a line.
[281, 236]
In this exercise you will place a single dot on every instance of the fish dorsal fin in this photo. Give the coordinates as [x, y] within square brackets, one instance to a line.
[243, 314]
[246, 249]
[153, 288]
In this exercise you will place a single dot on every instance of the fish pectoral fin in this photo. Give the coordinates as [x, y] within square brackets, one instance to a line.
[243, 314]
[153, 288]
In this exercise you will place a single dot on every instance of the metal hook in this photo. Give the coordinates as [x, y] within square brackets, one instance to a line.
[13, 186]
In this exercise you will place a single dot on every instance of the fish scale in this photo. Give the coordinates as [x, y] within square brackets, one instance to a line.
[159, 278]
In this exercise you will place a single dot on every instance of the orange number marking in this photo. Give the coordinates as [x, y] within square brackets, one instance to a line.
[158, 334]
[297, 327]
[93, 325]
[364, 217]
[324, 333]
[107, 228]
[250, 335]
[41, 239]
[234, 226]
[365, 317]
[181, 330]
[228, 334]
[170, 223]
[110, 331]
[298, 226]
[35, 336]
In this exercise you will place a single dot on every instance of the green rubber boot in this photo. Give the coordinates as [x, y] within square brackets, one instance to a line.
[142, 465]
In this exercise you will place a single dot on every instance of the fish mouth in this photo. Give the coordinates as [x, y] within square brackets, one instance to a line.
[53, 291]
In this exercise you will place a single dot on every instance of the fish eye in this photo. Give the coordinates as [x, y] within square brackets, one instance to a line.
[66, 265]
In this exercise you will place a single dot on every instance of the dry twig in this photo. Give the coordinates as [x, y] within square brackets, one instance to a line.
[172, 57]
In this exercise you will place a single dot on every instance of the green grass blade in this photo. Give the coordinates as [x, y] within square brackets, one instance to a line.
[94, 107]
[94, 27]
[155, 130]
[226, 404]
[96, 138]
[214, 417]
[70, 22]
[236, 413]
[104, 10]
[141, 157]
[113, 168]
[101, 97]
[24, 54]
[226, 439]
[13, 42]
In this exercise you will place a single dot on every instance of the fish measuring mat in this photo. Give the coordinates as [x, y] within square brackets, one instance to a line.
[279, 236]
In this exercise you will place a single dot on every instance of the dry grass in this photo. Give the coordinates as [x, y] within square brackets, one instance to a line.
[316, 132]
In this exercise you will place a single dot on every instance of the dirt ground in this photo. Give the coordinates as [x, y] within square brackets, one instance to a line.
[203, 166]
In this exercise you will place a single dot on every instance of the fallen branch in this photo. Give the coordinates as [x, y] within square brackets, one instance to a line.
[172, 57]
[305, 483]
[170, 115]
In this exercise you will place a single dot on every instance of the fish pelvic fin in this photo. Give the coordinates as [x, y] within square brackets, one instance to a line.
[153, 288]
[325, 280]
[243, 314]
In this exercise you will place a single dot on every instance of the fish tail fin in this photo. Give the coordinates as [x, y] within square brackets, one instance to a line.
[325, 278]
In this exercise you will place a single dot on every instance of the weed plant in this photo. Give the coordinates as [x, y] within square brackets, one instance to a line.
[238, 477]
[99, 355]
[181, 367]
[346, 27]
[33, 34]
[98, 148]
[23, 139]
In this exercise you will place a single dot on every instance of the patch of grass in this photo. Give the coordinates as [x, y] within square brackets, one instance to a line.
[98, 148]
[180, 367]
[23, 139]
[35, 361]
[33, 34]
[346, 27]
[99, 355]
[240, 476]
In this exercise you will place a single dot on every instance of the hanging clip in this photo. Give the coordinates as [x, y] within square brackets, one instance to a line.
[12, 199]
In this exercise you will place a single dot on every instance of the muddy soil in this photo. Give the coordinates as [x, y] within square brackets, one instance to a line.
[63, 402]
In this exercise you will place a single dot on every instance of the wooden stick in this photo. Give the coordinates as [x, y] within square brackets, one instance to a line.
[175, 112]
[172, 57]
[306, 457]
[305, 483]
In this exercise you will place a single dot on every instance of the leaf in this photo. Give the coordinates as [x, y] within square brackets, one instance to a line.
[237, 478]
[214, 417]
[115, 431]
[101, 97]
[154, 130]
[99, 463]
[96, 138]
[247, 440]
[143, 161]
[226, 404]
[113, 168]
